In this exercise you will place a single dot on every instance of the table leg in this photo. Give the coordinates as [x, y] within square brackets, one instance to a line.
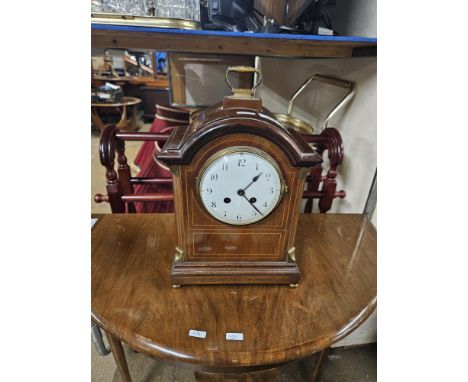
[122, 124]
[119, 357]
[133, 120]
[321, 358]
[258, 376]
[97, 119]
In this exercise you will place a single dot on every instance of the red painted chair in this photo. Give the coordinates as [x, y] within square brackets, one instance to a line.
[166, 119]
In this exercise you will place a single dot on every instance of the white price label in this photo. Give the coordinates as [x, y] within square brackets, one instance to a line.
[197, 333]
[235, 336]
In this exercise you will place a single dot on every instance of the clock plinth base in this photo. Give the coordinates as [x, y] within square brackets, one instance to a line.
[202, 274]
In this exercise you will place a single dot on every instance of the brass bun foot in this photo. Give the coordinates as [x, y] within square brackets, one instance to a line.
[175, 286]
[293, 285]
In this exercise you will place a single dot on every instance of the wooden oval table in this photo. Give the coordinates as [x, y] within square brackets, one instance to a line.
[134, 302]
[123, 123]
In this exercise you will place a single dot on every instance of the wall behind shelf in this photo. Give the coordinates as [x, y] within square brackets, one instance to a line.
[355, 18]
[356, 122]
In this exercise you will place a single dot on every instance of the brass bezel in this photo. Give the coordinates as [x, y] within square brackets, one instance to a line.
[237, 149]
[297, 124]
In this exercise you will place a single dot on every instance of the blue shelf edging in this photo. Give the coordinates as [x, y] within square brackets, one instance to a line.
[127, 28]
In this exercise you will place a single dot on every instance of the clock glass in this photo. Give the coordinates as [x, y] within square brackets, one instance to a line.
[241, 185]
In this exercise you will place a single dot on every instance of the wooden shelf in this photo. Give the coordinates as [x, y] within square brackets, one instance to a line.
[216, 42]
[161, 83]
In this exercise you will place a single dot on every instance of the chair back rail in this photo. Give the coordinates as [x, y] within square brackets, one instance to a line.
[120, 191]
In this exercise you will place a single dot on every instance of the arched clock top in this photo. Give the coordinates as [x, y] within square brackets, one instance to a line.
[182, 148]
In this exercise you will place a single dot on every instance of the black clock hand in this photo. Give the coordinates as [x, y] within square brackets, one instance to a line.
[252, 205]
[241, 192]
[253, 180]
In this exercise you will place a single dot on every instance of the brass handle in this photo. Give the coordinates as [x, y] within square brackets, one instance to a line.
[243, 69]
[334, 81]
[331, 81]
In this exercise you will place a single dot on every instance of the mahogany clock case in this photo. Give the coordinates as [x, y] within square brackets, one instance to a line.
[212, 252]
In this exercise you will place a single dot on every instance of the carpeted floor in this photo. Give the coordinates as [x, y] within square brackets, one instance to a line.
[353, 364]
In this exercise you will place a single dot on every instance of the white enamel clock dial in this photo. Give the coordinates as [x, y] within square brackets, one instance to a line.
[241, 186]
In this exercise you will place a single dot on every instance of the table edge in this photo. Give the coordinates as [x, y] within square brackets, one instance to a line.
[299, 351]
[134, 101]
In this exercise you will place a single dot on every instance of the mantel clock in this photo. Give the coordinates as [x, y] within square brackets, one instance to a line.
[238, 178]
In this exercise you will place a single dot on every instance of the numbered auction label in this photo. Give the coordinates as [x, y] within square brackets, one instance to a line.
[235, 336]
[197, 333]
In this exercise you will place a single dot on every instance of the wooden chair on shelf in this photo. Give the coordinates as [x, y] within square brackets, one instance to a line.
[122, 198]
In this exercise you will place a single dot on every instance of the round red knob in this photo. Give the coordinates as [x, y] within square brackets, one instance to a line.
[340, 194]
[99, 198]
